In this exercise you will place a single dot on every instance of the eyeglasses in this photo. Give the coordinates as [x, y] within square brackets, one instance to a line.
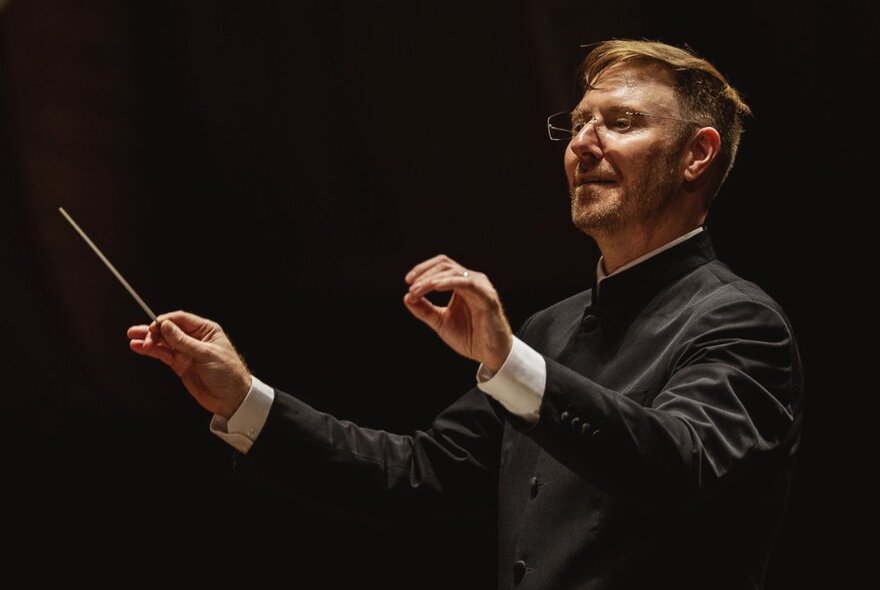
[564, 125]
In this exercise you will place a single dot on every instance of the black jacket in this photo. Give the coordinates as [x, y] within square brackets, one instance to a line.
[663, 455]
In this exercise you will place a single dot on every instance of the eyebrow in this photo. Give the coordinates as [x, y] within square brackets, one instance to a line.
[618, 108]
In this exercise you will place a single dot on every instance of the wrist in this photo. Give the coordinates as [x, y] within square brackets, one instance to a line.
[233, 402]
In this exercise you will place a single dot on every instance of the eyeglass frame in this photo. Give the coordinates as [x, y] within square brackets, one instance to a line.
[593, 119]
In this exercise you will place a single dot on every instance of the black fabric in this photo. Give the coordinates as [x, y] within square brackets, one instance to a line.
[663, 455]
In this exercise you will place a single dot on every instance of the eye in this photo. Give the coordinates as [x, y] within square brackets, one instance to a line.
[577, 125]
[621, 124]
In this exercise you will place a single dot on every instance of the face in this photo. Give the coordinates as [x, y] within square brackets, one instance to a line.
[624, 169]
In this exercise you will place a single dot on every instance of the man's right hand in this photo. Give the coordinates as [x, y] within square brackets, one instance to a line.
[202, 356]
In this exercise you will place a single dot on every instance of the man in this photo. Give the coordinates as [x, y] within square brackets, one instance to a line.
[641, 433]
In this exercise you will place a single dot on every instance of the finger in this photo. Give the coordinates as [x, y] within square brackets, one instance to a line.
[186, 321]
[151, 349]
[178, 340]
[447, 280]
[420, 270]
[423, 309]
[137, 345]
[139, 332]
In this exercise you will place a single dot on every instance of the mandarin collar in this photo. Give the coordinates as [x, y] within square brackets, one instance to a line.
[632, 288]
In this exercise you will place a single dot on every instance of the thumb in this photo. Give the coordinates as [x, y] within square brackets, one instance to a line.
[422, 309]
[179, 340]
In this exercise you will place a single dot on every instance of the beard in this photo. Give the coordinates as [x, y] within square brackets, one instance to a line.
[600, 208]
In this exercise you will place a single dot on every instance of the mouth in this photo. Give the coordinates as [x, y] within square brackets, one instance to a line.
[584, 175]
[584, 180]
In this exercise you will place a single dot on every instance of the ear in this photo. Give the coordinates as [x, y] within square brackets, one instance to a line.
[701, 153]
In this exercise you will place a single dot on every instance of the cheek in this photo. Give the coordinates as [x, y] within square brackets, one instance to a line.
[631, 165]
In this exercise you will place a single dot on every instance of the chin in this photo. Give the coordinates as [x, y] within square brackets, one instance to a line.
[595, 220]
[590, 213]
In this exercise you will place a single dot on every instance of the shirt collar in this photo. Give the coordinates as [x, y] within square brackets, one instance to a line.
[600, 266]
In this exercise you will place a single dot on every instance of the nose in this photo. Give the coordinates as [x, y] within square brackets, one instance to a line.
[587, 141]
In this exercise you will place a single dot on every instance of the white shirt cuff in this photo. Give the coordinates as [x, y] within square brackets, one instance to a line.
[519, 383]
[243, 428]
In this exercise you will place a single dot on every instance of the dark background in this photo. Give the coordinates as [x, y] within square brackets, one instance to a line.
[279, 166]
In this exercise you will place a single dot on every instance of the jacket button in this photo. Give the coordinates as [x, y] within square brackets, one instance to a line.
[519, 570]
[589, 323]
[534, 484]
[575, 421]
[585, 428]
[565, 416]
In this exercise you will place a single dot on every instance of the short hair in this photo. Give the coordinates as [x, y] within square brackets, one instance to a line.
[703, 92]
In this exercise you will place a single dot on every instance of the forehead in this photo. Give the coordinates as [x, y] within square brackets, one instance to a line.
[643, 86]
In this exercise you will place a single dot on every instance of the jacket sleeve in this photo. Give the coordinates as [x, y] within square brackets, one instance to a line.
[450, 466]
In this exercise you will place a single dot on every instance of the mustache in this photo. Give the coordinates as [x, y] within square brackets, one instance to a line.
[583, 177]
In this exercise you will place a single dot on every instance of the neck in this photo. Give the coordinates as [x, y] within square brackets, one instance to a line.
[622, 247]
